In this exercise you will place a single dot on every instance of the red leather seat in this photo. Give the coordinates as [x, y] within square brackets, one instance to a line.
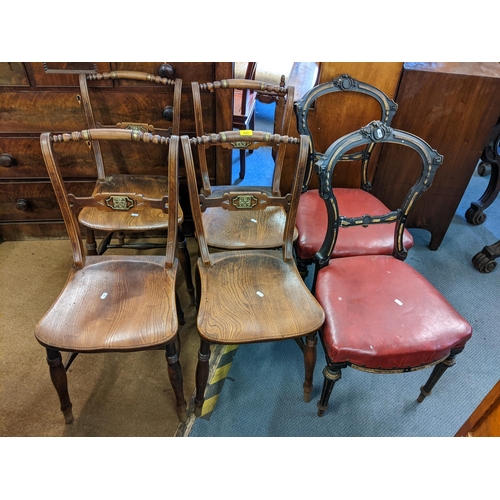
[312, 221]
[400, 319]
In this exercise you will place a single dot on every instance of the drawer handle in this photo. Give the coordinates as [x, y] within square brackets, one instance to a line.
[166, 71]
[22, 204]
[7, 160]
[168, 113]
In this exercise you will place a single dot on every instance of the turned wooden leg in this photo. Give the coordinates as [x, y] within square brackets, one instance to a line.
[90, 241]
[103, 246]
[436, 374]
[201, 376]
[243, 160]
[309, 364]
[197, 280]
[175, 376]
[185, 262]
[302, 267]
[60, 381]
[180, 312]
[331, 374]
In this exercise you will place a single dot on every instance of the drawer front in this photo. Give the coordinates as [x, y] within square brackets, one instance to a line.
[25, 158]
[34, 201]
[41, 111]
[13, 74]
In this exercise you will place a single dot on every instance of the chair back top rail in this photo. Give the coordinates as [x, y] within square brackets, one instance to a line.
[70, 204]
[252, 199]
[343, 83]
[374, 132]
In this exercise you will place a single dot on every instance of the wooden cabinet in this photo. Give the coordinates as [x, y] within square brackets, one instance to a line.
[37, 97]
[485, 419]
[452, 106]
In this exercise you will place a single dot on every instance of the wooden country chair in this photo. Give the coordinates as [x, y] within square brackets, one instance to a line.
[245, 93]
[153, 186]
[382, 316]
[248, 295]
[311, 215]
[113, 303]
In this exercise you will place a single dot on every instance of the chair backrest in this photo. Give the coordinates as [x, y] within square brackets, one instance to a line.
[70, 205]
[375, 132]
[173, 115]
[343, 83]
[284, 97]
[244, 198]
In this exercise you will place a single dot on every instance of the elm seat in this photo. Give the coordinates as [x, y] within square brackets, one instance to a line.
[405, 321]
[381, 315]
[247, 228]
[312, 219]
[142, 220]
[128, 306]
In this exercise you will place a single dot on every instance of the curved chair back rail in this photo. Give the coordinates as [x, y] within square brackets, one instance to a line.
[374, 132]
[343, 83]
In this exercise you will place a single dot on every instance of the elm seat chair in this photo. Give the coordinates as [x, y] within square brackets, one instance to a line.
[245, 93]
[248, 295]
[382, 316]
[113, 303]
[231, 230]
[152, 186]
[353, 202]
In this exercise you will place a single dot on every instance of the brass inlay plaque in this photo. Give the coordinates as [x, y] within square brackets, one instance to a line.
[119, 202]
[245, 201]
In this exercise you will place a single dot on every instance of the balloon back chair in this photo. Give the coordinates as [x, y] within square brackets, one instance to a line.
[382, 316]
[245, 93]
[153, 186]
[113, 303]
[248, 295]
[311, 215]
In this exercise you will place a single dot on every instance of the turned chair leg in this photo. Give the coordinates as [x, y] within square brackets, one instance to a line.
[180, 312]
[90, 241]
[242, 163]
[436, 374]
[175, 376]
[201, 376]
[185, 262]
[60, 381]
[331, 374]
[309, 364]
[103, 246]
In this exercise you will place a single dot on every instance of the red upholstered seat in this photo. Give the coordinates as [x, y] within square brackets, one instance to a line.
[382, 314]
[312, 221]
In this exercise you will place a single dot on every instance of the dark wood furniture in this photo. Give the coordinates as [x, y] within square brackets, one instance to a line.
[35, 97]
[454, 107]
[248, 295]
[113, 303]
[485, 419]
[381, 315]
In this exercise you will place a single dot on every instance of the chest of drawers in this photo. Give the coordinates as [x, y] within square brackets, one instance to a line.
[39, 97]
